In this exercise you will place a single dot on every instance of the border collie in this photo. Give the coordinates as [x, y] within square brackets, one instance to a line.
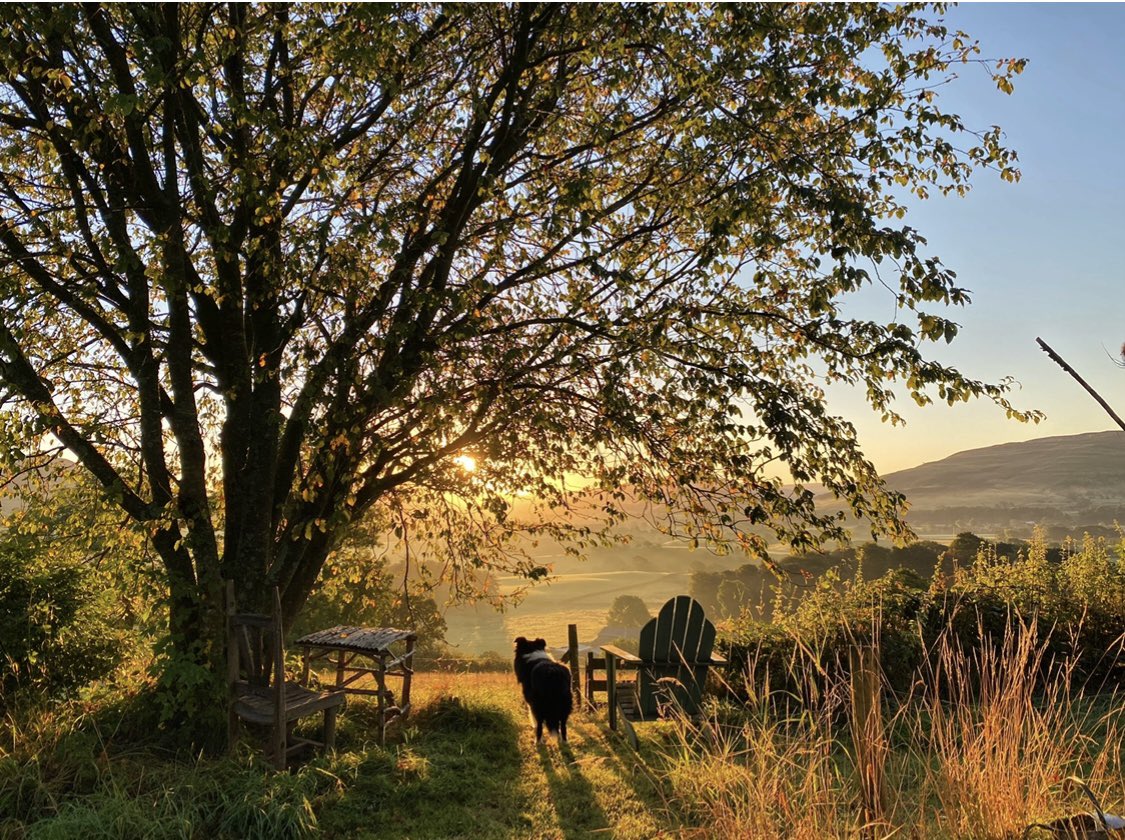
[546, 687]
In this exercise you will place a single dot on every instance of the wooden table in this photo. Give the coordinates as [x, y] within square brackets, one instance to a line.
[378, 654]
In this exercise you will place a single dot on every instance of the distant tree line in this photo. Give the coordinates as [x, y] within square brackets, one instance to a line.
[755, 590]
[1099, 517]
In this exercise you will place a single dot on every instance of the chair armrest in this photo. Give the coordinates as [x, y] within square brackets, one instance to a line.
[623, 655]
[714, 659]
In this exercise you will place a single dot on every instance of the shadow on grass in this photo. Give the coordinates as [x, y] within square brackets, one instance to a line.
[452, 772]
[573, 796]
[640, 768]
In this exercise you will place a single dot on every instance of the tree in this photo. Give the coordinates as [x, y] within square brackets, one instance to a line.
[268, 269]
[627, 611]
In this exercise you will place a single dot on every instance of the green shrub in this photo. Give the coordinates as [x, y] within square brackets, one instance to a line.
[813, 635]
[56, 633]
[1077, 602]
[1073, 597]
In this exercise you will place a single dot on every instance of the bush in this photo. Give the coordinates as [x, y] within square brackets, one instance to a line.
[815, 634]
[1073, 598]
[1077, 602]
[56, 633]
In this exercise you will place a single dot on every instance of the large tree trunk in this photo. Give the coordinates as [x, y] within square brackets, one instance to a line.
[192, 680]
[192, 689]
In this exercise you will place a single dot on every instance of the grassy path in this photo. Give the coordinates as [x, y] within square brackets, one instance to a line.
[466, 765]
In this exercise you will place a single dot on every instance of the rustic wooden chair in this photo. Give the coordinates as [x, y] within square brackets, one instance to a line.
[674, 655]
[259, 692]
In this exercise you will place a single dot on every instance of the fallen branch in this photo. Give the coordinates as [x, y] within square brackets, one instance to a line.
[1061, 363]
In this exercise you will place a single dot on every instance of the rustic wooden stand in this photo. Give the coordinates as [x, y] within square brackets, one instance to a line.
[378, 654]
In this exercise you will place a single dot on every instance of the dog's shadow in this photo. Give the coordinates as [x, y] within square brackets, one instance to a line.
[574, 797]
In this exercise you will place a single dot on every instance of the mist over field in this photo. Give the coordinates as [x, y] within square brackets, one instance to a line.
[1066, 486]
[581, 599]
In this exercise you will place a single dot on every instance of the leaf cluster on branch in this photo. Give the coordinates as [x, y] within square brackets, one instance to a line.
[265, 269]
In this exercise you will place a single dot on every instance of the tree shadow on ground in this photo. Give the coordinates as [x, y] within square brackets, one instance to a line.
[604, 757]
[453, 771]
[628, 761]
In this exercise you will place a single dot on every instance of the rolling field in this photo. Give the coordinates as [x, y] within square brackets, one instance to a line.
[546, 610]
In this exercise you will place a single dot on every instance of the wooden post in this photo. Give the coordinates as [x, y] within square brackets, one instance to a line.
[590, 679]
[572, 660]
[611, 688]
[407, 672]
[381, 686]
[869, 736]
[340, 663]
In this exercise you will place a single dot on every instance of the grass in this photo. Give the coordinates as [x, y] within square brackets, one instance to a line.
[973, 753]
[982, 750]
[465, 765]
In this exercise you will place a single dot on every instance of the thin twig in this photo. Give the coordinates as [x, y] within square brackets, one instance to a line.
[1061, 363]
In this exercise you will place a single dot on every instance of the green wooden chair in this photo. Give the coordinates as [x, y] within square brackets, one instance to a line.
[671, 666]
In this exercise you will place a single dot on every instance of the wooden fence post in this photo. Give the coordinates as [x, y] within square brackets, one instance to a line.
[572, 660]
[869, 735]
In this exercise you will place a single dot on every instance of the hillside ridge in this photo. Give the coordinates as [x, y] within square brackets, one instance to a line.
[1066, 479]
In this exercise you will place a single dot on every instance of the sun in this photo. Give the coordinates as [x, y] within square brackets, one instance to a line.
[466, 462]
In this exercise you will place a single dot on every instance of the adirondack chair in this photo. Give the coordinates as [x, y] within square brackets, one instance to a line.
[259, 692]
[671, 665]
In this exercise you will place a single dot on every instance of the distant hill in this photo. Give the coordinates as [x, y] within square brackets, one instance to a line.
[1074, 480]
[49, 475]
[1068, 484]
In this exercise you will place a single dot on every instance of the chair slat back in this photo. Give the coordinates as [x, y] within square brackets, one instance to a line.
[256, 649]
[256, 673]
[698, 637]
[680, 633]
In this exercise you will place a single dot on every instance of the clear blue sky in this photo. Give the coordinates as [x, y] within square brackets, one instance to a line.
[1043, 256]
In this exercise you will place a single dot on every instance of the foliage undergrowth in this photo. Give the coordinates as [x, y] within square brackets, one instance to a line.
[978, 698]
[991, 686]
[979, 750]
[464, 765]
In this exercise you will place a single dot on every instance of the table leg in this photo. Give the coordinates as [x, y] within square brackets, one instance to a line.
[408, 670]
[340, 669]
[381, 686]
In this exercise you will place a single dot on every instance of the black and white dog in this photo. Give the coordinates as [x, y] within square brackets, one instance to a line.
[546, 687]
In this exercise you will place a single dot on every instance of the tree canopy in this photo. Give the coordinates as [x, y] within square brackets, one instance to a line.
[627, 611]
[265, 269]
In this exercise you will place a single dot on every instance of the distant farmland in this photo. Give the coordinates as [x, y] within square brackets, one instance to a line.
[582, 599]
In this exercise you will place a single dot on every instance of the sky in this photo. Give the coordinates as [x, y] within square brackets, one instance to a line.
[1042, 257]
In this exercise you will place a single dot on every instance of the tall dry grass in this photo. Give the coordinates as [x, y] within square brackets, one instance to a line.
[979, 749]
[769, 769]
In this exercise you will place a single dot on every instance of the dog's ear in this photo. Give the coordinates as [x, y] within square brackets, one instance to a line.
[539, 644]
[520, 640]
